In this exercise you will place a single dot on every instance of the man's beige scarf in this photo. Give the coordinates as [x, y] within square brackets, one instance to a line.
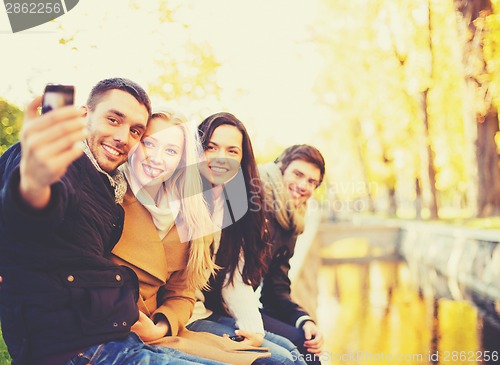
[116, 178]
[277, 199]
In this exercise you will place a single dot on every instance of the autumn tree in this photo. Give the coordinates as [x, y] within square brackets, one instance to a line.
[10, 124]
[393, 71]
[186, 69]
[481, 29]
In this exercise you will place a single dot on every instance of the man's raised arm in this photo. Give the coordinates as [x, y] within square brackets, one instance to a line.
[50, 143]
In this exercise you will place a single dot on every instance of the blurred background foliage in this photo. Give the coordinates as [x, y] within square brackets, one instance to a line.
[410, 88]
[10, 124]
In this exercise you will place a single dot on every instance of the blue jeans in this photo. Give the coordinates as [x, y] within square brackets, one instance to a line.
[282, 350]
[133, 351]
[291, 333]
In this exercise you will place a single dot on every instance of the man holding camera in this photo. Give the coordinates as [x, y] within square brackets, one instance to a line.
[289, 183]
[61, 300]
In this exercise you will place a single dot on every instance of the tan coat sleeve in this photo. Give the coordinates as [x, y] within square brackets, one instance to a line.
[175, 298]
[176, 302]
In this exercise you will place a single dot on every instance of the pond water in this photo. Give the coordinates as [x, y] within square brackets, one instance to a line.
[375, 312]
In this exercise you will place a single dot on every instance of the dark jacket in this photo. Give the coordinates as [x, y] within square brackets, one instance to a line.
[275, 294]
[59, 292]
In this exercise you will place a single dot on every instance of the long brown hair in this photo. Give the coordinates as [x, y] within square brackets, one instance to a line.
[249, 233]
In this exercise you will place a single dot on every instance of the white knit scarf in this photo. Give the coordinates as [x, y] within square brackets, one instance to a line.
[164, 209]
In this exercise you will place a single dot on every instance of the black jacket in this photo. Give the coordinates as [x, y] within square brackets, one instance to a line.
[59, 292]
[275, 294]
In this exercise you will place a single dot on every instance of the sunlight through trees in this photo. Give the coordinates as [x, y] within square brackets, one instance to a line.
[404, 94]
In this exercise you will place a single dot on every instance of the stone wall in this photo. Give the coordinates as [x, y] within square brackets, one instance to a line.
[455, 263]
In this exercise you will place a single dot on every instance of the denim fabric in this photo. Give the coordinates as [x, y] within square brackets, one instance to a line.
[133, 351]
[281, 349]
[293, 334]
[287, 344]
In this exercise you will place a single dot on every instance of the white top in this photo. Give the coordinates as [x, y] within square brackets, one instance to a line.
[241, 301]
[238, 298]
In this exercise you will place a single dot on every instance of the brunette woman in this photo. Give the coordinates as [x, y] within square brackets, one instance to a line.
[234, 193]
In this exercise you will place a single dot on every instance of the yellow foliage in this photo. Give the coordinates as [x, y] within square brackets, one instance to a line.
[376, 83]
[492, 52]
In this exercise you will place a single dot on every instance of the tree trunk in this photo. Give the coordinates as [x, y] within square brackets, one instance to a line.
[488, 166]
[393, 204]
[431, 170]
[418, 199]
[391, 180]
[356, 130]
[471, 10]
[488, 196]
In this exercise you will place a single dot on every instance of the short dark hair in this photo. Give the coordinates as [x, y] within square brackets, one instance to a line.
[118, 83]
[305, 153]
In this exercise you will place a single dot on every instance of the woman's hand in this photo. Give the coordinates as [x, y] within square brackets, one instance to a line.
[251, 338]
[149, 331]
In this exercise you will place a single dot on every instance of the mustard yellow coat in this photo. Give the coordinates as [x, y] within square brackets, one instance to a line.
[160, 266]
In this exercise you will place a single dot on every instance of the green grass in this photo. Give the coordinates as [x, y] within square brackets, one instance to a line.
[4, 354]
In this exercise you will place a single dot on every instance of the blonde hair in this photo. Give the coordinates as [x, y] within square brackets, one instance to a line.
[185, 184]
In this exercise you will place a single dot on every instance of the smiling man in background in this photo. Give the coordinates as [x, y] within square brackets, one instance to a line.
[289, 182]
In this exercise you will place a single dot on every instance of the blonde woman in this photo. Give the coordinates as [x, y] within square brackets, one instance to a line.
[165, 240]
